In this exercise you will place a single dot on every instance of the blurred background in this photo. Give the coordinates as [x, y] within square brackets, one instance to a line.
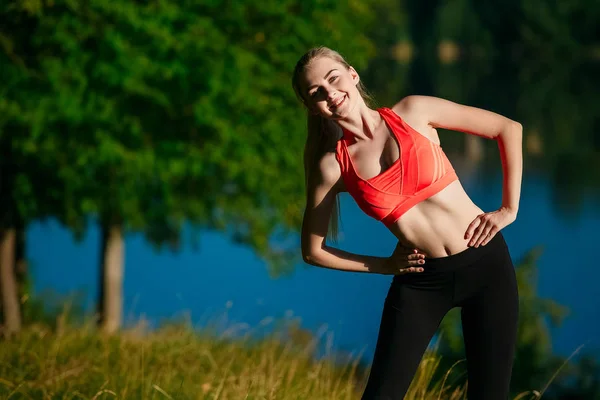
[151, 164]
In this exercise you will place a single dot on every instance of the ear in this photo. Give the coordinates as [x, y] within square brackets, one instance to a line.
[354, 75]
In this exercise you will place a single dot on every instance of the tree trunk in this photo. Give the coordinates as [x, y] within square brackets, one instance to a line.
[8, 283]
[21, 269]
[110, 303]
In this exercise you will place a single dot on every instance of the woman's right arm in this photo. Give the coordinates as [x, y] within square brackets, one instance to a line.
[324, 182]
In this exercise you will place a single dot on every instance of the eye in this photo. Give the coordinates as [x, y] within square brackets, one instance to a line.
[314, 92]
[333, 79]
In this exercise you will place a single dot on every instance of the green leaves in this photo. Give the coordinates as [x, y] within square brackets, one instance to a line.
[158, 113]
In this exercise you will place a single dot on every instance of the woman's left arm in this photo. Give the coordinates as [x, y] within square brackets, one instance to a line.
[446, 114]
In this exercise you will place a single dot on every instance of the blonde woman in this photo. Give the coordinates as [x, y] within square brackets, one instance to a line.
[450, 253]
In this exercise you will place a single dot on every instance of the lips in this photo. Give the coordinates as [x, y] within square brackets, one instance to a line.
[338, 102]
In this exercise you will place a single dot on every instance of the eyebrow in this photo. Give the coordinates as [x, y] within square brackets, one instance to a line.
[325, 77]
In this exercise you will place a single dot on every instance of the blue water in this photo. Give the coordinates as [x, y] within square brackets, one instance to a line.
[222, 279]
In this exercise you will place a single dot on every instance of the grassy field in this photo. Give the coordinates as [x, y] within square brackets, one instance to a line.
[176, 362]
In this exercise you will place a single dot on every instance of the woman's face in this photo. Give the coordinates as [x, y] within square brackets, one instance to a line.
[329, 88]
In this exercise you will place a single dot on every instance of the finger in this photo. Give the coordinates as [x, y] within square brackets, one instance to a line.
[471, 228]
[416, 257]
[411, 255]
[478, 231]
[417, 253]
[485, 240]
[409, 270]
[474, 238]
[491, 235]
[477, 237]
[484, 234]
[414, 263]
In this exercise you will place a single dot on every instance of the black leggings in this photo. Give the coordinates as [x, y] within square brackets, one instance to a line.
[479, 280]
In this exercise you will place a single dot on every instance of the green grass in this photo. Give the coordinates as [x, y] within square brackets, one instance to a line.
[176, 362]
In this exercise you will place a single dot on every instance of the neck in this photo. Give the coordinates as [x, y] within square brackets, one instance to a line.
[360, 123]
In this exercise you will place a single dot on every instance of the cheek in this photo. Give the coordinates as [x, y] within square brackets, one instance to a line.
[348, 84]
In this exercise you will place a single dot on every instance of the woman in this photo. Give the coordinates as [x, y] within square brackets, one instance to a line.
[450, 253]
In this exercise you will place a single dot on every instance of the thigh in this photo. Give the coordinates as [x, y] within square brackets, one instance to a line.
[489, 321]
[409, 320]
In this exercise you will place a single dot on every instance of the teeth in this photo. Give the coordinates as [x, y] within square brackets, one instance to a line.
[338, 102]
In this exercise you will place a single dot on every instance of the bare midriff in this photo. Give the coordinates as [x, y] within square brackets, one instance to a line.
[437, 225]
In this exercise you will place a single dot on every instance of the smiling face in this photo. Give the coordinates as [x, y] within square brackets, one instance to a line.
[329, 88]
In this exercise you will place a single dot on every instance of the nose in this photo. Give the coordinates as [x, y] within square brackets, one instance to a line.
[331, 94]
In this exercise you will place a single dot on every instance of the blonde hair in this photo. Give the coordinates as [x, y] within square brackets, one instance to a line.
[322, 133]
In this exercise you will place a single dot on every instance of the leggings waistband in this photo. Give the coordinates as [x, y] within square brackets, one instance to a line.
[465, 257]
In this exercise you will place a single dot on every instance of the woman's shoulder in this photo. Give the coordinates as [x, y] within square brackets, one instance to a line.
[411, 106]
[328, 171]
[413, 110]
[329, 165]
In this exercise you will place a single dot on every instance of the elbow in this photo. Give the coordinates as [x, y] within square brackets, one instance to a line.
[515, 128]
[510, 130]
[310, 257]
[309, 250]
[307, 257]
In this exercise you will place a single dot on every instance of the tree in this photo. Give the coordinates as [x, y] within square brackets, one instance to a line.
[152, 115]
[21, 197]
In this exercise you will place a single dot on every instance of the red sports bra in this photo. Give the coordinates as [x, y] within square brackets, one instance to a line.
[421, 170]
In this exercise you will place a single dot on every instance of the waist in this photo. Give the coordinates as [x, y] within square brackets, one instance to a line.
[437, 225]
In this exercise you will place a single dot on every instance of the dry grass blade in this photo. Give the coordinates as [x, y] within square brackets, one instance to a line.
[66, 374]
[102, 392]
[446, 378]
[158, 389]
[558, 370]
[535, 394]
[172, 363]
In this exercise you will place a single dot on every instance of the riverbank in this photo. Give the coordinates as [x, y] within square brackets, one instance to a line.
[176, 362]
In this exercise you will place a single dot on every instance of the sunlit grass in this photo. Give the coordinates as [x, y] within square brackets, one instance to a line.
[177, 362]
